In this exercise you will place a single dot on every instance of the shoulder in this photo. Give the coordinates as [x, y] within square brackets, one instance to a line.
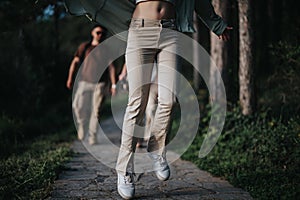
[83, 44]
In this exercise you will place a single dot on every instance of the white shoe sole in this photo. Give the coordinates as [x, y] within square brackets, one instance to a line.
[123, 196]
[162, 178]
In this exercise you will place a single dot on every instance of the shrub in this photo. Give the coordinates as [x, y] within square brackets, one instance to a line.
[258, 153]
[281, 89]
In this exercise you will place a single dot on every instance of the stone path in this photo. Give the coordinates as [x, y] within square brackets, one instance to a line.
[91, 175]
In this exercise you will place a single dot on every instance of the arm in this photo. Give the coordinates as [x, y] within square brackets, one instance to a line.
[112, 73]
[214, 22]
[73, 68]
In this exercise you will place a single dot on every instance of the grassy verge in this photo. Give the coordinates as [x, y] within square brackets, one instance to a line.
[260, 154]
[27, 172]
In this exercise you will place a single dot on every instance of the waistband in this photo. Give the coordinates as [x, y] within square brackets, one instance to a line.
[170, 1]
[90, 84]
[165, 23]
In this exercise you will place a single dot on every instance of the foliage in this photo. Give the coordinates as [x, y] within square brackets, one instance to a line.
[16, 132]
[36, 48]
[258, 153]
[36, 54]
[37, 42]
[281, 90]
[29, 175]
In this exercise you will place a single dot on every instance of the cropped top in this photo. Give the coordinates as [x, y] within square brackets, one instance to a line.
[171, 1]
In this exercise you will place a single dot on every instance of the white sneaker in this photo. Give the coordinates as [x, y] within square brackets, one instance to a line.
[160, 167]
[126, 186]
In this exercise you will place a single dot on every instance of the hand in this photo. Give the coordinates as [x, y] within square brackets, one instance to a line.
[122, 76]
[69, 84]
[113, 91]
[225, 36]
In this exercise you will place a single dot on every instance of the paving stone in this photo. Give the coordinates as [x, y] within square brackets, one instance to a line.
[85, 177]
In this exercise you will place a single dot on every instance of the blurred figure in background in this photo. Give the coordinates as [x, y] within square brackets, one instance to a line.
[91, 89]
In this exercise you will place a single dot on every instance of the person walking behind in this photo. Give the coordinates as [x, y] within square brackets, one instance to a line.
[90, 95]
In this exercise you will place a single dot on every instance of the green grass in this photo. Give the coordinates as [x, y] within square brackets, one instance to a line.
[28, 173]
[260, 154]
[33, 151]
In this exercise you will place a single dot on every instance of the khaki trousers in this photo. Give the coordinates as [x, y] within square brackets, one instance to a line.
[87, 104]
[148, 41]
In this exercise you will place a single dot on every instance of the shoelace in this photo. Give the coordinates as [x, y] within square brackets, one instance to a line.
[128, 178]
[162, 161]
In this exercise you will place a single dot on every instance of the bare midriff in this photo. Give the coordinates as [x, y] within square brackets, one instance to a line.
[154, 10]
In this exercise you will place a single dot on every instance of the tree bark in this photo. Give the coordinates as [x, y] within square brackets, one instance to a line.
[246, 57]
[219, 52]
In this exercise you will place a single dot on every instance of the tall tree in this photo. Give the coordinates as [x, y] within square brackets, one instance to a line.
[219, 51]
[246, 57]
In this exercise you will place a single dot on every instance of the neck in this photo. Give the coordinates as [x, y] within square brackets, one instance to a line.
[95, 42]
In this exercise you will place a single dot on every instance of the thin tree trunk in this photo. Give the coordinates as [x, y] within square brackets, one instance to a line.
[219, 52]
[196, 75]
[246, 60]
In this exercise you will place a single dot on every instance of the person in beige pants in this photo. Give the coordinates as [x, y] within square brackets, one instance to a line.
[91, 91]
[150, 38]
[159, 45]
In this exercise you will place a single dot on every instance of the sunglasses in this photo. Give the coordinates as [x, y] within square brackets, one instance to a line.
[99, 32]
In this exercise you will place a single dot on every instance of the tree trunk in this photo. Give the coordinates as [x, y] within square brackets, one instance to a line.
[196, 75]
[219, 52]
[246, 57]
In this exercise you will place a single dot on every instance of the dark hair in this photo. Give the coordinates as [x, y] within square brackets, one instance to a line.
[103, 34]
[96, 26]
